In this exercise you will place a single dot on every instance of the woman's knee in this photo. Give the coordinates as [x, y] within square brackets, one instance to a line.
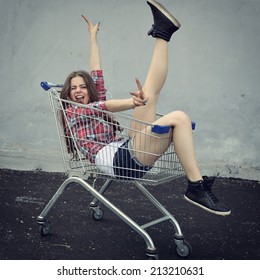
[180, 117]
[174, 119]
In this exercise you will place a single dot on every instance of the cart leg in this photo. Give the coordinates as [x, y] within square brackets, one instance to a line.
[149, 242]
[161, 208]
[94, 202]
[183, 248]
[150, 248]
[97, 213]
[42, 217]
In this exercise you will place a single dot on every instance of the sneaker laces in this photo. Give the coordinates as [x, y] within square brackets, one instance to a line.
[211, 195]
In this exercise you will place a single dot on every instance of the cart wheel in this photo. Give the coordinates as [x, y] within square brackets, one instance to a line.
[152, 257]
[151, 254]
[97, 214]
[45, 228]
[183, 249]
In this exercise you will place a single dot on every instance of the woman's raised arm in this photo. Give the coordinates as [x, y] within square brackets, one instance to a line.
[94, 59]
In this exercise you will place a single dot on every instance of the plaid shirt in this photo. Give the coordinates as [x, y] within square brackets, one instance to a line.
[91, 128]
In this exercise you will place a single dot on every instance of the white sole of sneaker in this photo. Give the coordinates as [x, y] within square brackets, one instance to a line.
[162, 9]
[207, 209]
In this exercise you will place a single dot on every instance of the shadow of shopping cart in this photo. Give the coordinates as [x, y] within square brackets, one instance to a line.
[71, 122]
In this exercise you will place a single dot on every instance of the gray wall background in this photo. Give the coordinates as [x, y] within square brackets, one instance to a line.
[214, 73]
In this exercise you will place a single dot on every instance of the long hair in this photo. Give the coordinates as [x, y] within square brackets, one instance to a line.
[65, 94]
[93, 96]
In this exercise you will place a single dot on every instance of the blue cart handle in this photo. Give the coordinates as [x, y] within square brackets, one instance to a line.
[47, 85]
[161, 129]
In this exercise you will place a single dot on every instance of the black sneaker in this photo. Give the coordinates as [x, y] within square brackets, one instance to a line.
[165, 24]
[200, 194]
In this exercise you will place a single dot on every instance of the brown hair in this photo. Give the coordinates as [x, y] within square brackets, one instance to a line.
[93, 96]
[65, 94]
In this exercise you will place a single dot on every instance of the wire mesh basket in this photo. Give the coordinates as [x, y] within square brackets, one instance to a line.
[76, 125]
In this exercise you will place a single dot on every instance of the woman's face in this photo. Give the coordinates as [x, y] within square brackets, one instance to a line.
[78, 90]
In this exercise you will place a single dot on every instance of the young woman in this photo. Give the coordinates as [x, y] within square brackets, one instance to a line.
[98, 139]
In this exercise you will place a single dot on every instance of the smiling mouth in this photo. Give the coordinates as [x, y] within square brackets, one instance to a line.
[80, 98]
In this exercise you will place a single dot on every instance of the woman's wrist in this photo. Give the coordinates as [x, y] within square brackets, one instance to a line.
[93, 38]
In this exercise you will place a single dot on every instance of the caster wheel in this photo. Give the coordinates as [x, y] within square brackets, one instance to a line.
[152, 257]
[44, 228]
[97, 214]
[183, 249]
[152, 254]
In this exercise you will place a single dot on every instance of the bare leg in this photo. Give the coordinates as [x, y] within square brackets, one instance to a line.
[148, 146]
[153, 145]
[154, 82]
[184, 146]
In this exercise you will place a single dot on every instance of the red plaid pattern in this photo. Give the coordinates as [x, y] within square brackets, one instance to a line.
[91, 128]
[97, 76]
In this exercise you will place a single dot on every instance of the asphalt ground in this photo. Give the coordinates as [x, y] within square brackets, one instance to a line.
[75, 235]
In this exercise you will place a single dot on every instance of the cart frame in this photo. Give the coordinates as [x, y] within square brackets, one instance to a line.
[79, 170]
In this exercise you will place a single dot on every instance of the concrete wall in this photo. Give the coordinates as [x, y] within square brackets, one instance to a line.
[214, 73]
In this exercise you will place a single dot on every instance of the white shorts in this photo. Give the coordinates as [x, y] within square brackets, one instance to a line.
[105, 157]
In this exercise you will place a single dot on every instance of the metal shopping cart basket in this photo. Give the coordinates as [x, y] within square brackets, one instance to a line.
[81, 169]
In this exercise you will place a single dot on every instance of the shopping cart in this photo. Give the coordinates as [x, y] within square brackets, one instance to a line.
[81, 169]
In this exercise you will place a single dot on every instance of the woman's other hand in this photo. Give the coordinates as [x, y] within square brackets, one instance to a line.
[93, 29]
[139, 96]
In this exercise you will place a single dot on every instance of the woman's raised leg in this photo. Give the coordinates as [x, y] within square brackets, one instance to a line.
[154, 82]
[164, 26]
[147, 145]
